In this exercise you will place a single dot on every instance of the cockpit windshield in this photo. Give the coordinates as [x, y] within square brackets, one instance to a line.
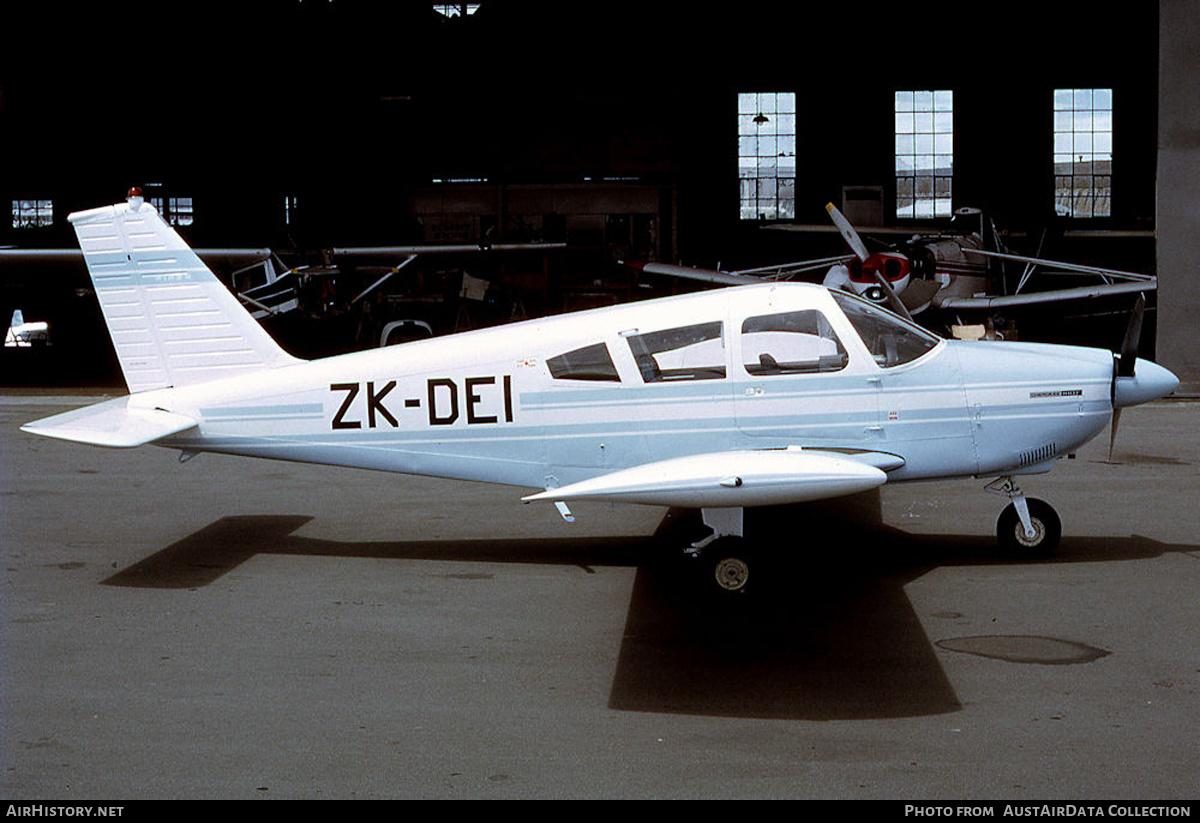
[892, 340]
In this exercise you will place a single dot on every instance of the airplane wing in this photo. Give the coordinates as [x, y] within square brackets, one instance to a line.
[742, 277]
[1034, 298]
[1129, 283]
[735, 478]
[1059, 265]
[61, 255]
[113, 423]
[723, 278]
[391, 252]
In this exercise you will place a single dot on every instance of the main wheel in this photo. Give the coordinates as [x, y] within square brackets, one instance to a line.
[730, 565]
[1047, 530]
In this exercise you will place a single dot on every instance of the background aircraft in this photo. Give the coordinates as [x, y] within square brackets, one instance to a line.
[344, 298]
[21, 335]
[724, 401]
[942, 279]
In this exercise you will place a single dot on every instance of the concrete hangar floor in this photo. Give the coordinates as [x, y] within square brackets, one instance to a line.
[230, 628]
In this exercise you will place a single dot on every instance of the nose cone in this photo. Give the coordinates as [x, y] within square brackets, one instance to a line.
[1149, 381]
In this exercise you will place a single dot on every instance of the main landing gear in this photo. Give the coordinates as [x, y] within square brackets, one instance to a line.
[1027, 527]
[725, 552]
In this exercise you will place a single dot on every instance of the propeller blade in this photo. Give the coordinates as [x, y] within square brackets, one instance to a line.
[847, 231]
[893, 299]
[1126, 363]
[1112, 435]
[1133, 334]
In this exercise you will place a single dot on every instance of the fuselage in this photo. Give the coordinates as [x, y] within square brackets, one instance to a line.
[554, 401]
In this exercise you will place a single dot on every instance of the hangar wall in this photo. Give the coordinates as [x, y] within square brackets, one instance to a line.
[1178, 218]
[610, 126]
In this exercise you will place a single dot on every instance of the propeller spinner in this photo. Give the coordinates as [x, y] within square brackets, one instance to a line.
[875, 267]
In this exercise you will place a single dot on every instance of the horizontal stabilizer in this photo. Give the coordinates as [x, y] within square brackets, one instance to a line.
[728, 479]
[112, 423]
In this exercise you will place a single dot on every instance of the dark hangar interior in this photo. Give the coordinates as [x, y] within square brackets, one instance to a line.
[609, 128]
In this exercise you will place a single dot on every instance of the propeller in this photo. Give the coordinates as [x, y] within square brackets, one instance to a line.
[859, 248]
[1126, 363]
[848, 232]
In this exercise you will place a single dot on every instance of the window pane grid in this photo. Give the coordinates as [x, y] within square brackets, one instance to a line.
[1083, 145]
[32, 214]
[924, 153]
[767, 155]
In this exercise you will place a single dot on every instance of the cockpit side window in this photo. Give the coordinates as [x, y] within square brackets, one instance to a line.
[891, 339]
[588, 363]
[799, 342]
[684, 353]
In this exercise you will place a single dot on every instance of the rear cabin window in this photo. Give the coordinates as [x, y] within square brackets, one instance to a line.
[799, 342]
[588, 363]
[684, 353]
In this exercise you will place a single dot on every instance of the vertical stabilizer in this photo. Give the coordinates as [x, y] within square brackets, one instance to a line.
[173, 323]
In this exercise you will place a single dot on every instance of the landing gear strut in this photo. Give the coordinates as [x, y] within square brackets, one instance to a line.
[1027, 526]
[724, 552]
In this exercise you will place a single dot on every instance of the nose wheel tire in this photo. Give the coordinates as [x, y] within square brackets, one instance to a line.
[1047, 530]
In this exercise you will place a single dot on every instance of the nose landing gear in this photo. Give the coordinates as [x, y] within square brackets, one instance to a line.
[1027, 527]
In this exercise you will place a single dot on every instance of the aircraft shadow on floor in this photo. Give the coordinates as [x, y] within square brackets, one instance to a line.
[829, 634]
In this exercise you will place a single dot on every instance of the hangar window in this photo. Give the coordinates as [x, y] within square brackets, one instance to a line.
[924, 153]
[32, 214]
[290, 204]
[175, 210]
[684, 353]
[453, 10]
[799, 342]
[588, 363]
[767, 155]
[1083, 143]
[179, 211]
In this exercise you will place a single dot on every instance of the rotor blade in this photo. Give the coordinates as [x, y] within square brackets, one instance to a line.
[847, 231]
[1133, 335]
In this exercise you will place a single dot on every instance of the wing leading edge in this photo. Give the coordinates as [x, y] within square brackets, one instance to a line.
[735, 479]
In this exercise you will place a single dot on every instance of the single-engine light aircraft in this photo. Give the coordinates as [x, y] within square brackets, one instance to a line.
[947, 275]
[720, 401]
[23, 335]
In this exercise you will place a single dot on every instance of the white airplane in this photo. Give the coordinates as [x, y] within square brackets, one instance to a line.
[22, 335]
[720, 401]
